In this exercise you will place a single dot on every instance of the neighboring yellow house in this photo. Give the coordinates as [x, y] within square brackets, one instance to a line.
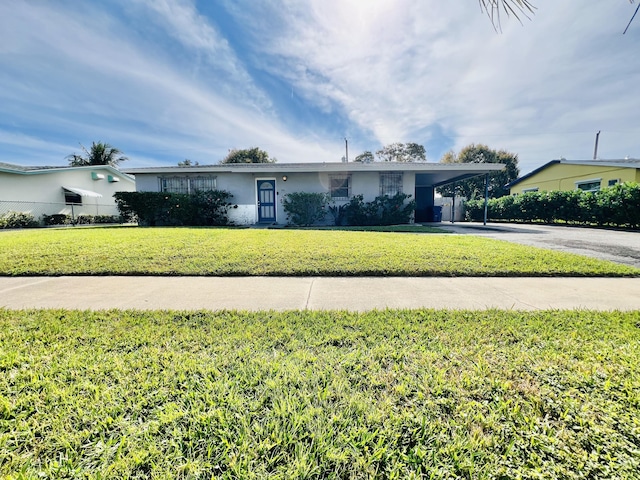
[587, 175]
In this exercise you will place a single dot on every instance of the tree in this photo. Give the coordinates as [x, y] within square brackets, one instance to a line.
[515, 8]
[402, 152]
[474, 187]
[99, 154]
[365, 157]
[250, 155]
[188, 163]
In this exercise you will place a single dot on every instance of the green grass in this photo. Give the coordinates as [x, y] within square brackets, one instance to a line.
[393, 394]
[203, 251]
[377, 228]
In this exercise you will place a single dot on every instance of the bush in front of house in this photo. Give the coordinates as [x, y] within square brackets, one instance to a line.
[304, 208]
[209, 208]
[56, 219]
[206, 208]
[107, 219]
[384, 210]
[18, 220]
[615, 206]
[66, 219]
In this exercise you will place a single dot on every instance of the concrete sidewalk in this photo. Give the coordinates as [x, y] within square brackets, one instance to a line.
[318, 293]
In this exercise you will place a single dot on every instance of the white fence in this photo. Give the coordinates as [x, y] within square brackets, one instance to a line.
[449, 210]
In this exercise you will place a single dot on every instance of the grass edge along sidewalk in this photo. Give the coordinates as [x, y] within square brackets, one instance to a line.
[251, 252]
[386, 394]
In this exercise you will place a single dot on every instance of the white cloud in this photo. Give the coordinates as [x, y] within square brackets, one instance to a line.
[387, 70]
[397, 68]
[96, 78]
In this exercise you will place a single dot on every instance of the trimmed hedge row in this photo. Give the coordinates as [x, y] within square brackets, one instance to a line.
[202, 208]
[66, 219]
[615, 206]
[27, 220]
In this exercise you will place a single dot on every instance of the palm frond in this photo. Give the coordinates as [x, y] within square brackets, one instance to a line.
[511, 8]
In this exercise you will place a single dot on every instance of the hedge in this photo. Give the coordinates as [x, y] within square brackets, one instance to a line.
[617, 206]
[202, 208]
[17, 220]
[304, 208]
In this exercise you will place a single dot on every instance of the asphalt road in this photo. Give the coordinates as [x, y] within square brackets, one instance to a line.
[613, 245]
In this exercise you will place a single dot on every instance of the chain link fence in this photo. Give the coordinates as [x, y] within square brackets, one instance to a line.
[40, 209]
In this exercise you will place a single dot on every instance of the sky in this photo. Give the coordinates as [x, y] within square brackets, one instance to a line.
[169, 80]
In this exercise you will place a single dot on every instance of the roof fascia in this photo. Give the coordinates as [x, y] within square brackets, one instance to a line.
[65, 169]
[323, 167]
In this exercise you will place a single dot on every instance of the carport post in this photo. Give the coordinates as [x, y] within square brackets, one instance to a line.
[453, 204]
[486, 196]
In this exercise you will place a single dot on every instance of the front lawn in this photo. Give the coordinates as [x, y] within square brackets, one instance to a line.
[224, 251]
[393, 394]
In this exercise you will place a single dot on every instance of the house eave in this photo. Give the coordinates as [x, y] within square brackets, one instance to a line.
[329, 167]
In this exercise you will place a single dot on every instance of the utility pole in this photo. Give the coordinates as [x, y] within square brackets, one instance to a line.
[346, 150]
[595, 150]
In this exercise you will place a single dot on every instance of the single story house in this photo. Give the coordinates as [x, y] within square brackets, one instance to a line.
[86, 190]
[588, 175]
[258, 189]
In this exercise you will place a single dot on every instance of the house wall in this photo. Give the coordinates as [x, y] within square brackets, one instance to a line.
[564, 176]
[243, 188]
[42, 192]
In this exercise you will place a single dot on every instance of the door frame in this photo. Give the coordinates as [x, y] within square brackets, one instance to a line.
[275, 198]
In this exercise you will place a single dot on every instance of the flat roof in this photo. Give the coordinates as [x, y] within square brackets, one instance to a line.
[439, 173]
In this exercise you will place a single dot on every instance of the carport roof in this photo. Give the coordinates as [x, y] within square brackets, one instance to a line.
[439, 173]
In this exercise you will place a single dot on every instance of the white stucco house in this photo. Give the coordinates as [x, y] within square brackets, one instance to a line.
[86, 190]
[258, 189]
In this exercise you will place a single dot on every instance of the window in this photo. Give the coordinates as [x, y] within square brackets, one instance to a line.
[611, 183]
[533, 189]
[72, 198]
[390, 183]
[340, 186]
[589, 185]
[187, 184]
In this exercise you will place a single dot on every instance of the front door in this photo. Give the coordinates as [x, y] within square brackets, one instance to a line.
[424, 198]
[266, 201]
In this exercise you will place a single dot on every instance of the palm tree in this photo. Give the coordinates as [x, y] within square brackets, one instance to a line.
[100, 154]
[515, 8]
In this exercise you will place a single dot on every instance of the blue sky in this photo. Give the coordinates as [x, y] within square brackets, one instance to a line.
[166, 80]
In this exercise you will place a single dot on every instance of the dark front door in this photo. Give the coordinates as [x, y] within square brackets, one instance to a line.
[424, 199]
[266, 201]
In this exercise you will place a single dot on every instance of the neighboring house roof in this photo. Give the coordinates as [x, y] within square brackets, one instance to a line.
[36, 170]
[625, 163]
[441, 173]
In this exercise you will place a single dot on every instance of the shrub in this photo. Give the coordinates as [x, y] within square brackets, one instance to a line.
[18, 220]
[56, 219]
[615, 206]
[305, 208]
[384, 210]
[338, 214]
[84, 220]
[209, 208]
[174, 209]
[107, 219]
[359, 212]
[394, 210]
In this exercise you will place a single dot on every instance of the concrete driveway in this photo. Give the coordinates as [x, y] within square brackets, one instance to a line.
[613, 245]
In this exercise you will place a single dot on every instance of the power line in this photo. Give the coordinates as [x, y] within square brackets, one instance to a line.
[634, 16]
